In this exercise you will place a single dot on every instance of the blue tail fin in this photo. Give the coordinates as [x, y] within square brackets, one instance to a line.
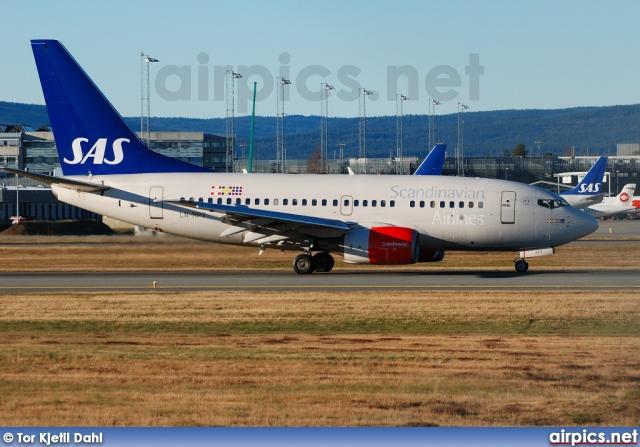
[432, 164]
[591, 184]
[90, 134]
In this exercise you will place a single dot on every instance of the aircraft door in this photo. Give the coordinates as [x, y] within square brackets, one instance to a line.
[155, 202]
[346, 205]
[508, 207]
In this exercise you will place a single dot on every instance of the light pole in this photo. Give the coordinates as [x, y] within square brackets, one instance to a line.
[243, 146]
[363, 125]
[341, 146]
[281, 153]
[538, 143]
[432, 122]
[145, 95]
[399, 114]
[230, 81]
[460, 148]
[324, 125]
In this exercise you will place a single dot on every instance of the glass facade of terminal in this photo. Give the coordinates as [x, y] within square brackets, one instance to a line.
[193, 147]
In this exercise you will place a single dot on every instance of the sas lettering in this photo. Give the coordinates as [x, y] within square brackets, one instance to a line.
[97, 152]
[591, 187]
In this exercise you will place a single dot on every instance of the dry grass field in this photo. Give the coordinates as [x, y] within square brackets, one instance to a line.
[417, 358]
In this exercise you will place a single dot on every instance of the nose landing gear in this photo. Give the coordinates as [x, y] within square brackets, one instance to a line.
[520, 262]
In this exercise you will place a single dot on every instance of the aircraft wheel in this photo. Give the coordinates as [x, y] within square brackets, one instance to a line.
[303, 264]
[522, 266]
[324, 261]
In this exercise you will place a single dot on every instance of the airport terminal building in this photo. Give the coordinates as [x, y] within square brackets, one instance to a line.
[23, 147]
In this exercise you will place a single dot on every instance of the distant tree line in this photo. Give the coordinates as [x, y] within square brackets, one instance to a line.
[575, 131]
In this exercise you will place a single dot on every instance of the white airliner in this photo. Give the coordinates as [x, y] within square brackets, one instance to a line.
[621, 204]
[364, 218]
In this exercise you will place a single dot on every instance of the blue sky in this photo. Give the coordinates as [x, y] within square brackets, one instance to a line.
[490, 55]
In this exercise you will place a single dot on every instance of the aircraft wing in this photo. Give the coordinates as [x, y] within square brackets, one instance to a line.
[61, 181]
[260, 218]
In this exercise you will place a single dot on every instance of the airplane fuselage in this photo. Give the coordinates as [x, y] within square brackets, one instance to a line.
[448, 213]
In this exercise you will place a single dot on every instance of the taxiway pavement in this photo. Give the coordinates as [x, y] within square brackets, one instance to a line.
[369, 279]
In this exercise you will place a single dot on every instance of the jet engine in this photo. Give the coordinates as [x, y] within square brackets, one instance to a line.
[381, 245]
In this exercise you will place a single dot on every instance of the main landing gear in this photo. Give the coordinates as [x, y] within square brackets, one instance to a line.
[521, 265]
[320, 262]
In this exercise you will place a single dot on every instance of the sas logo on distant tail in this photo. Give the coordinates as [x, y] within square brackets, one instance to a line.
[591, 187]
[97, 152]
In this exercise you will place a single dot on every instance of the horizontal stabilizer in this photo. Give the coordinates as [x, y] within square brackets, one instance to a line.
[76, 185]
[595, 199]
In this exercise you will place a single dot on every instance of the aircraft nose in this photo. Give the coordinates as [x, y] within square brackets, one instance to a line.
[585, 224]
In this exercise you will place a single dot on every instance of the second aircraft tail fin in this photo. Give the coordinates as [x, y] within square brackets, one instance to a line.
[591, 183]
[626, 195]
[432, 164]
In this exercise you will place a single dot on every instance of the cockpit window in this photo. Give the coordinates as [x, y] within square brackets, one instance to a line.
[553, 203]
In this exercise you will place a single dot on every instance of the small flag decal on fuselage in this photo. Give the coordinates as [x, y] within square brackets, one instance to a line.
[556, 221]
[226, 190]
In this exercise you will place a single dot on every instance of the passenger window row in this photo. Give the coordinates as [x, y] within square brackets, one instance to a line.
[445, 204]
[295, 202]
[335, 202]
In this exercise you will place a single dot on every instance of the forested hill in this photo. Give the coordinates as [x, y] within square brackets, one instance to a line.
[592, 130]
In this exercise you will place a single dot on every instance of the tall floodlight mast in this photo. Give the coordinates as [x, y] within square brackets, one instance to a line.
[363, 126]
[399, 156]
[429, 126]
[538, 143]
[460, 147]
[432, 122]
[145, 96]
[324, 125]
[341, 155]
[230, 81]
[281, 153]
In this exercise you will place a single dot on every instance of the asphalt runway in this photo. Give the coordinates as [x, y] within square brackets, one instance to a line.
[361, 280]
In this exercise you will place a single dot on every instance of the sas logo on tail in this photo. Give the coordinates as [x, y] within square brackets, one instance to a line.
[97, 152]
[591, 187]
